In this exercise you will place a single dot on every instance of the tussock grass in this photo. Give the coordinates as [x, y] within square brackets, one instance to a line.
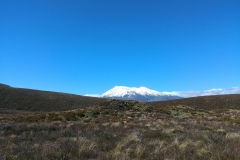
[120, 130]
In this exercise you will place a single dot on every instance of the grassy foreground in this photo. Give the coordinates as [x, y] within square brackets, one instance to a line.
[122, 130]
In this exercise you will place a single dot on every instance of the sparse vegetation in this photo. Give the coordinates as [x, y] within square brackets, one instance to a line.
[35, 100]
[116, 129]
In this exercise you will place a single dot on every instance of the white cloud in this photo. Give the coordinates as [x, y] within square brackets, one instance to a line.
[234, 90]
[92, 95]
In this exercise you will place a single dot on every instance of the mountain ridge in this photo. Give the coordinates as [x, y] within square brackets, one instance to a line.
[140, 94]
[182, 94]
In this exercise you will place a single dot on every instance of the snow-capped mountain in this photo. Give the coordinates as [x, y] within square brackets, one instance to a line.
[145, 94]
[140, 94]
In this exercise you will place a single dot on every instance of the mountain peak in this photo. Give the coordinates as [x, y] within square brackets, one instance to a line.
[134, 93]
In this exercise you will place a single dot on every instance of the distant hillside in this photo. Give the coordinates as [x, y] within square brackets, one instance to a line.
[35, 100]
[230, 101]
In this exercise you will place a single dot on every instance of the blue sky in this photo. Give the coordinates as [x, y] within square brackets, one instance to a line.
[89, 46]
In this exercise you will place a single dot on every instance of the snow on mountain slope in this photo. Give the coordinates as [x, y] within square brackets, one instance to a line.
[140, 94]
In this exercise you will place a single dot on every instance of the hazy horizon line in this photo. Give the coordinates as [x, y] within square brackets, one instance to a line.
[186, 94]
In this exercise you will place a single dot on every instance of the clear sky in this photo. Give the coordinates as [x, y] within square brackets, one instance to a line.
[90, 46]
